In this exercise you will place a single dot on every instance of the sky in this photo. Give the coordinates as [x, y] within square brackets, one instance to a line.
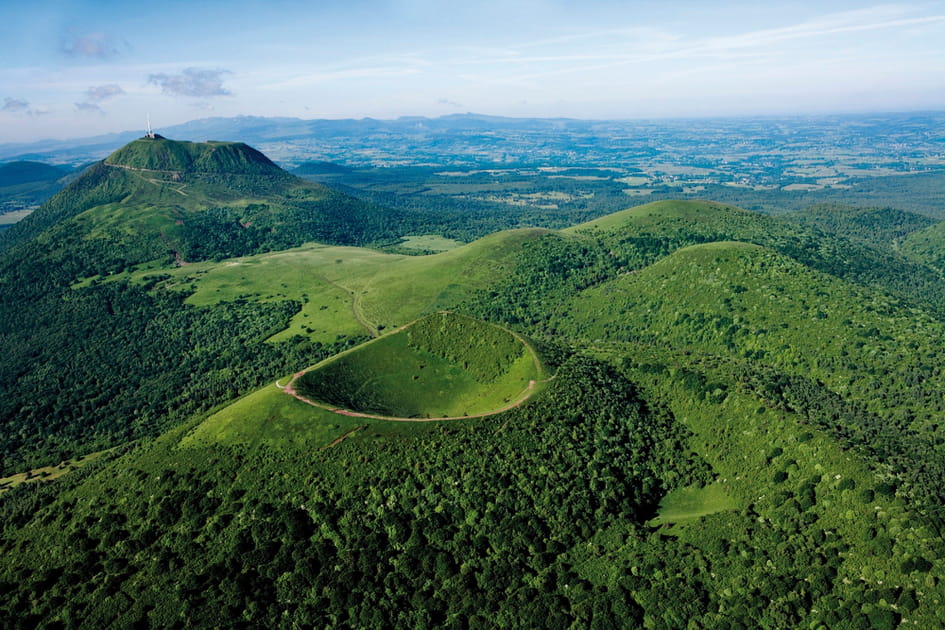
[77, 68]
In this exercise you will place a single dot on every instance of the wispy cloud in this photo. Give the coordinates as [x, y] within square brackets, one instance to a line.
[363, 68]
[98, 45]
[196, 82]
[15, 105]
[100, 93]
[877, 18]
[598, 51]
[22, 106]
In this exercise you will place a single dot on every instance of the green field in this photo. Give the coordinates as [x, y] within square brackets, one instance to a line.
[270, 419]
[384, 376]
[430, 243]
[349, 290]
[685, 505]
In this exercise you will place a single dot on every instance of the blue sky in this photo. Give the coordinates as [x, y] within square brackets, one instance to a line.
[71, 68]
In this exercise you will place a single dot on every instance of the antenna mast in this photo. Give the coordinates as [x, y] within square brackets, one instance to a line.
[150, 133]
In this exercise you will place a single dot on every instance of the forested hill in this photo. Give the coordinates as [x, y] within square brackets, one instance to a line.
[162, 200]
[22, 172]
[703, 417]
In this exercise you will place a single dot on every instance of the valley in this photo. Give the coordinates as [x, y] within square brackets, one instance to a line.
[676, 414]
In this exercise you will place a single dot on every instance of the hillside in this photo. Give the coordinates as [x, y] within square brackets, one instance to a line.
[683, 414]
[926, 246]
[157, 200]
[885, 228]
[26, 184]
[641, 235]
[23, 172]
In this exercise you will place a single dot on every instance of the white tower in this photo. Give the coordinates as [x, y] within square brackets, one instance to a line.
[150, 133]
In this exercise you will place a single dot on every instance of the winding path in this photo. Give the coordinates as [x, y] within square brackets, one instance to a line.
[157, 182]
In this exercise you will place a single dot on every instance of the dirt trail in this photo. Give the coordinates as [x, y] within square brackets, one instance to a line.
[356, 310]
[157, 182]
[344, 436]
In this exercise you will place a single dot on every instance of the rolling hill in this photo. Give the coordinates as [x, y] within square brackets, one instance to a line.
[24, 172]
[737, 423]
[155, 200]
[26, 184]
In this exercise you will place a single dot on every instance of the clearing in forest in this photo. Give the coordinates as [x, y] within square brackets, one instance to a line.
[684, 505]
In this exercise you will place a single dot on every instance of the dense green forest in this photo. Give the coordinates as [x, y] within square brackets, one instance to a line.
[735, 420]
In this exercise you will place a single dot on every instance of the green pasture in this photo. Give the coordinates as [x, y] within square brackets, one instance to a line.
[430, 243]
[271, 419]
[391, 375]
[350, 290]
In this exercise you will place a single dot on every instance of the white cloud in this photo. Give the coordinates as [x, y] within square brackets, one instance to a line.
[99, 93]
[197, 82]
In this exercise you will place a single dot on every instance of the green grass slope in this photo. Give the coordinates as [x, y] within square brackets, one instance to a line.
[348, 290]
[443, 365]
[927, 246]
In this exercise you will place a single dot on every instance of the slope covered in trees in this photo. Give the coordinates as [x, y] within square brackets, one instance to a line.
[784, 372]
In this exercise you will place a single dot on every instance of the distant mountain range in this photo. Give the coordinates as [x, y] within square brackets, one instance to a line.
[256, 130]
[900, 141]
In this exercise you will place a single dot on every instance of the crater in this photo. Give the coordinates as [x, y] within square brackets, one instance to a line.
[444, 366]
